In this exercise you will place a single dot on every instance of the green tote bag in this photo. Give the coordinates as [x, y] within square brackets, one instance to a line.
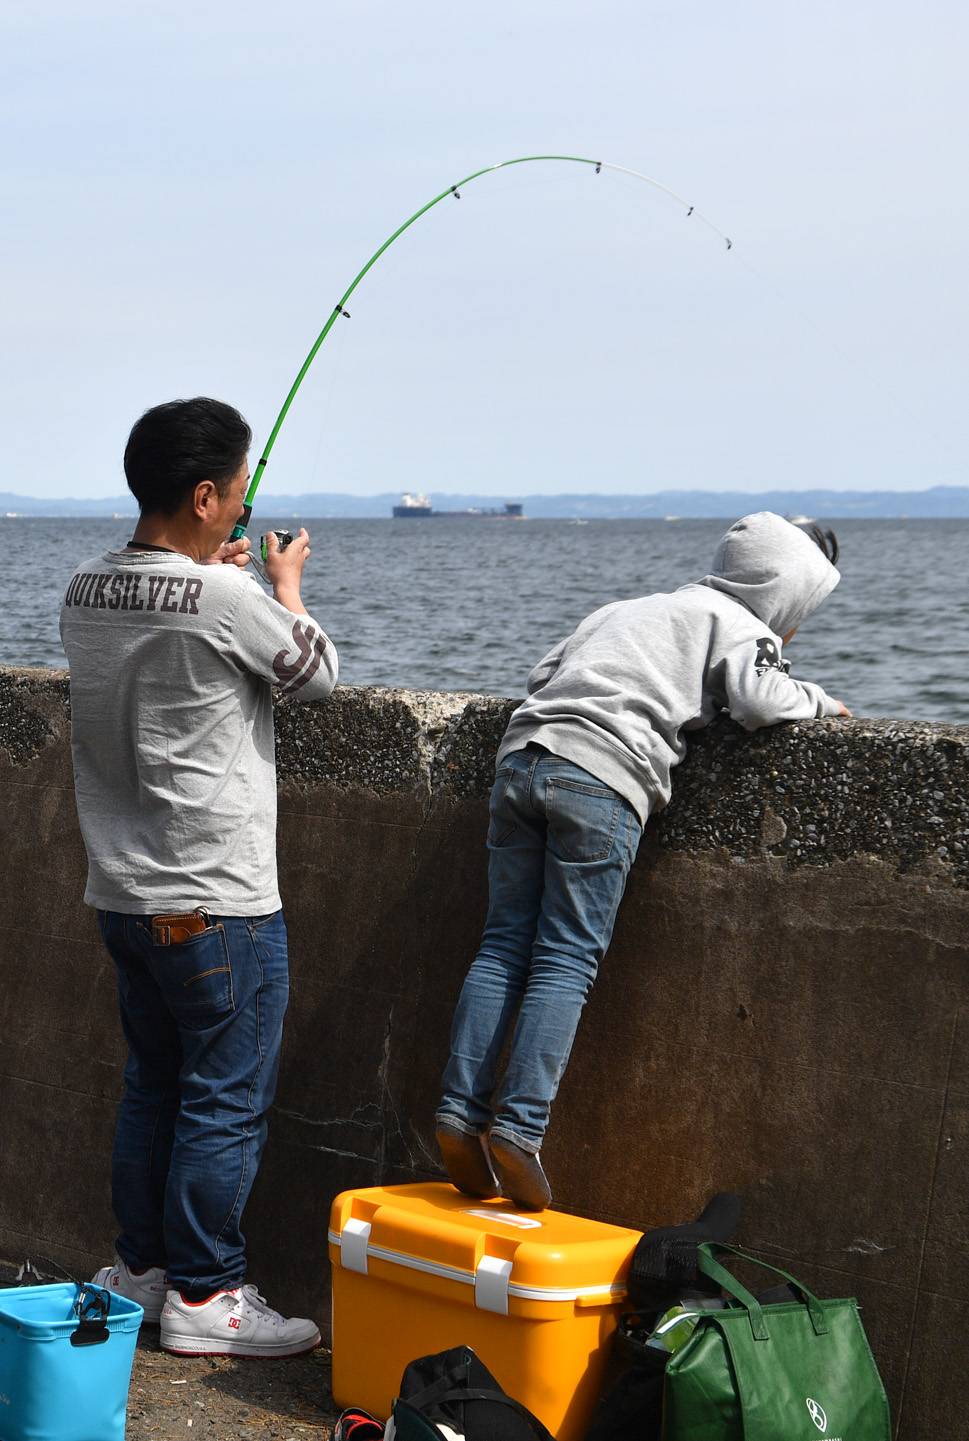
[799, 1370]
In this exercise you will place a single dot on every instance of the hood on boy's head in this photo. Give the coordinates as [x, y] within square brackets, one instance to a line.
[773, 568]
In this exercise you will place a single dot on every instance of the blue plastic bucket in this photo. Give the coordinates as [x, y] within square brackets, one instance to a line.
[66, 1354]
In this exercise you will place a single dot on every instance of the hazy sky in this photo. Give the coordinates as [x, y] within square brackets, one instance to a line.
[187, 189]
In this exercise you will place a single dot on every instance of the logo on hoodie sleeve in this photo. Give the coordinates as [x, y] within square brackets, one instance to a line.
[769, 657]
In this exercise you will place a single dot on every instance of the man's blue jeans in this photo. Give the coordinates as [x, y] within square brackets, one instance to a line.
[560, 847]
[204, 1024]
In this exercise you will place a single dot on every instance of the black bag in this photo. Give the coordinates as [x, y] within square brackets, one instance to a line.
[456, 1389]
[632, 1403]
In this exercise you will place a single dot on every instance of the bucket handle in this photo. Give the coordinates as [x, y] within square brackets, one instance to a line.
[91, 1309]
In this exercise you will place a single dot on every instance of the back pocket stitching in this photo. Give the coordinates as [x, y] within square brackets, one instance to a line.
[212, 971]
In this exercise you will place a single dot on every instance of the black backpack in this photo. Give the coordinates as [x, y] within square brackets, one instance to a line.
[456, 1389]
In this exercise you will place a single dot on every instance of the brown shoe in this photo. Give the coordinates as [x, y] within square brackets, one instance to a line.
[520, 1174]
[466, 1162]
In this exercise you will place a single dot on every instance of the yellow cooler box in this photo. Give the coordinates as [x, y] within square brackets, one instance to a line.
[418, 1269]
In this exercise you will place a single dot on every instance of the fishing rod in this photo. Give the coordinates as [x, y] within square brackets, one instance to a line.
[453, 191]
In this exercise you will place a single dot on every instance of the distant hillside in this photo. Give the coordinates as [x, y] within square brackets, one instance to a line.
[941, 501]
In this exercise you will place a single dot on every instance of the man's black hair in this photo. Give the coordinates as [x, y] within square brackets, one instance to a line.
[827, 542]
[176, 445]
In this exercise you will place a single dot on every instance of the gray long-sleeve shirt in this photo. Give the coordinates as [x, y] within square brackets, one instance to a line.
[617, 696]
[172, 670]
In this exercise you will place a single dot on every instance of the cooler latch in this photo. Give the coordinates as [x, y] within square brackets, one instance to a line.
[353, 1245]
[491, 1279]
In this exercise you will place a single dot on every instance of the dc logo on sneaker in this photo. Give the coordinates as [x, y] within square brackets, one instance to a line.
[816, 1413]
[234, 1323]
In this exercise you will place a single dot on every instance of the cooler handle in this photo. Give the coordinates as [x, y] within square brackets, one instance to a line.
[491, 1280]
[354, 1240]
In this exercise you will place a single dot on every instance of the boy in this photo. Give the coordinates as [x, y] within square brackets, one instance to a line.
[585, 760]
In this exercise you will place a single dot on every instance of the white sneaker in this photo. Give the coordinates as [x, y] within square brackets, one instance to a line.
[233, 1323]
[148, 1289]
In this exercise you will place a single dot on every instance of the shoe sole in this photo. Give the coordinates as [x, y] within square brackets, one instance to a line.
[198, 1346]
[520, 1176]
[467, 1164]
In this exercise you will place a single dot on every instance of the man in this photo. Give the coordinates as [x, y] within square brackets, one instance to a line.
[174, 650]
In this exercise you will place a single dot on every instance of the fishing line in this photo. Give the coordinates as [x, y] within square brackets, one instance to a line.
[340, 311]
[855, 366]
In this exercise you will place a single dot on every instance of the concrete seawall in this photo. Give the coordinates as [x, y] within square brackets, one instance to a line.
[784, 1010]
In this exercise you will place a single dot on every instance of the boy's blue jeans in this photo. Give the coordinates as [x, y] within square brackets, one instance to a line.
[204, 1023]
[560, 847]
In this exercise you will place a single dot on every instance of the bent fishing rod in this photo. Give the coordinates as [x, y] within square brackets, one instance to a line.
[454, 192]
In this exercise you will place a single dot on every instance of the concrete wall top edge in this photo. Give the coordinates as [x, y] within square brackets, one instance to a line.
[34, 712]
[808, 793]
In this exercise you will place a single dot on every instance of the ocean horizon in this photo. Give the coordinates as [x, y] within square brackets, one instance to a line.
[932, 502]
[472, 605]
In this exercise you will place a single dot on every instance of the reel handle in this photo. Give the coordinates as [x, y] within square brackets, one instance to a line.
[284, 537]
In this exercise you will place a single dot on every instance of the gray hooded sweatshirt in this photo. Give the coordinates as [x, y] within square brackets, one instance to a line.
[617, 695]
[173, 666]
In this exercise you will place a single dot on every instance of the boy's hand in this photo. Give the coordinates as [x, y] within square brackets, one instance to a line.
[284, 569]
[843, 709]
[230, 552]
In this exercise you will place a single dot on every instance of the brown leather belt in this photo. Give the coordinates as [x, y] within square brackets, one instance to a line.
[173, 930]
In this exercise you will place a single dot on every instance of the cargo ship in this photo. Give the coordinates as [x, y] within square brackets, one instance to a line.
[418, 507]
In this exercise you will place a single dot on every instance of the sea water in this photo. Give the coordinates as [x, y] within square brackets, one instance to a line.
[472, 604]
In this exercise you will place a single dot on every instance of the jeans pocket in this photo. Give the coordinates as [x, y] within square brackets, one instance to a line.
[196, 978]
[582, 819]
[256, 923]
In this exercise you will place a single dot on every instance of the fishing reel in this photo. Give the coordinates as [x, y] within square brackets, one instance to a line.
[283, 537]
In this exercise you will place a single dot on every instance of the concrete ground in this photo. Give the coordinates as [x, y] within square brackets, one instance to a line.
[226, 1399]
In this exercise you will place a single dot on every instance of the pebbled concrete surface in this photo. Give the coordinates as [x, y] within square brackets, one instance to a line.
[809, 792]
[821, 791]
[34, 711]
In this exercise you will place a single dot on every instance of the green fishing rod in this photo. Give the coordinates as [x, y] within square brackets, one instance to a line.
[453, 192]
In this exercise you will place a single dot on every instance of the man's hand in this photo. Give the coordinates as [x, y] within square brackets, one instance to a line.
[285, 569]
[230, 552]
